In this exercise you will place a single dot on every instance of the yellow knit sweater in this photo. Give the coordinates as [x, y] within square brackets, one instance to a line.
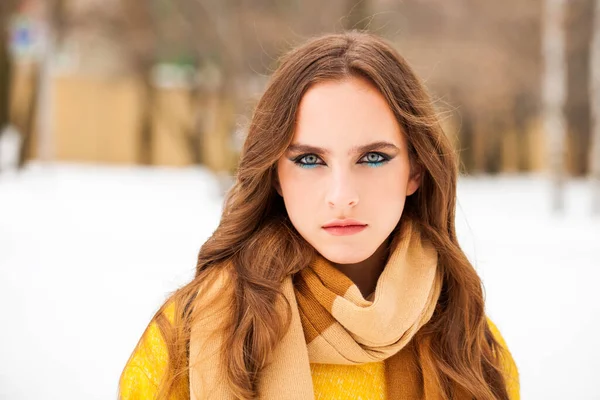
[144, 371]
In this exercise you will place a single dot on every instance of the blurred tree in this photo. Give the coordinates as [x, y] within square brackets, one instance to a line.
[242, 39]
[141, 39]
[232, 45]
[554, 80]
[578, 25]
[594, 154]
[49, 24]
[481, 60]
[39, 114]
[7, 9]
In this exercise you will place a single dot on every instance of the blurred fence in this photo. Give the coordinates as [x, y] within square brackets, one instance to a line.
[97, 119]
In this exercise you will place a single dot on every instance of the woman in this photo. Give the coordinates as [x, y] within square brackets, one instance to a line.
[335, 272]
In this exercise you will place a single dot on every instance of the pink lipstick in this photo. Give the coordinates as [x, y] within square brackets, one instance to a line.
[344, 227]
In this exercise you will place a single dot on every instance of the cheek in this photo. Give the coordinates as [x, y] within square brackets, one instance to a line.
[299, 191]
[384, 197]
[386, 185]
[297, 196]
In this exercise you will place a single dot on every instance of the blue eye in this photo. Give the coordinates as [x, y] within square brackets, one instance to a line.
[374, 159]
[308, 161]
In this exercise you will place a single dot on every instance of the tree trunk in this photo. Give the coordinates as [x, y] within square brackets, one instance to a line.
[595, 109]
[146, 138]
[554, 94]
[5, 68]
[5, 79]
[26, 126]
[195, 136]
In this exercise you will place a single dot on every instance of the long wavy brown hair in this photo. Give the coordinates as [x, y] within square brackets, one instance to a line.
[261, 247]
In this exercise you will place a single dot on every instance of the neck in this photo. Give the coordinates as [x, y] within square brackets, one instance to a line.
[365, 274]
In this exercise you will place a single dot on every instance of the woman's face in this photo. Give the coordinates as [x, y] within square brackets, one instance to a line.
[348, 161]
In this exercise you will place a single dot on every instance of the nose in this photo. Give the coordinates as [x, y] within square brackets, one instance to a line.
[342, 191]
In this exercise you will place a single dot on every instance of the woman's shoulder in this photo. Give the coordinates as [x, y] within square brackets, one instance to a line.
[147, 364]
[509, 367]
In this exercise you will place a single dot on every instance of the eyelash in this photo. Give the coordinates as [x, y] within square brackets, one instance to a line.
[384, 158]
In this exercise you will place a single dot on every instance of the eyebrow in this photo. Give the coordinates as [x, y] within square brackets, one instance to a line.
[304, 148]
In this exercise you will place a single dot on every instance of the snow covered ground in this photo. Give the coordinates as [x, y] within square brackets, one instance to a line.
[88, 253]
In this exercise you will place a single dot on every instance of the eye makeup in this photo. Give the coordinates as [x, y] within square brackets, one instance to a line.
[371, 159]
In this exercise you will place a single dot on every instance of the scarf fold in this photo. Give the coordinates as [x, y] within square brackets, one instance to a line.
[332, 323]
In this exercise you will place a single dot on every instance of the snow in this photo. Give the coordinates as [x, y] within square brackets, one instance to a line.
[88, 253]
[10, 144]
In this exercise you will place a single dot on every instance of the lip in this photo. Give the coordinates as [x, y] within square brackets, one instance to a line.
[344, 227]
[343, 222]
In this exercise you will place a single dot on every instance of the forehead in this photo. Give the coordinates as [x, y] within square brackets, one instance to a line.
[342, 114]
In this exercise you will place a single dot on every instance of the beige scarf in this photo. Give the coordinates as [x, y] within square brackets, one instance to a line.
[333, 324]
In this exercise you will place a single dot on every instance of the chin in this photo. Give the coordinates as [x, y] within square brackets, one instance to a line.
[345, 255]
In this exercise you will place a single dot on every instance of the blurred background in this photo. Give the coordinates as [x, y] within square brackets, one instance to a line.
[121, 123]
